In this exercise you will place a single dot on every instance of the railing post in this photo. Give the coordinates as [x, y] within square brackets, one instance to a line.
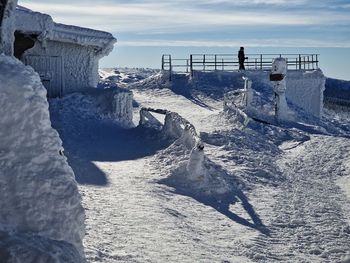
[261, 61]
[204, 62]
[308, 62]
[304, 61]
[222, 64]
[299, 62]
[191, 65]
[170, 68]
[317, 60]
[162, 62]
[312, 58]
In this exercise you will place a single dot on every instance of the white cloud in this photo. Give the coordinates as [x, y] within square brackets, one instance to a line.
[285, 42]
[164, 17]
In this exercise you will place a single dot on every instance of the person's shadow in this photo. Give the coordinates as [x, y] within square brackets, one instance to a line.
[220, 202]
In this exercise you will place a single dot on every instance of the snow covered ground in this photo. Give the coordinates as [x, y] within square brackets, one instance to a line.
[287, 187]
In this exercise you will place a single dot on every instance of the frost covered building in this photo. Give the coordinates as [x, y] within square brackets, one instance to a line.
[66, 57]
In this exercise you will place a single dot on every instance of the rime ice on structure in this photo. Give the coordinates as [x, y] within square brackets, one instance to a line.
[41, 216]
[7, 27]
[66, 57]
[278, 78]
[39, 197]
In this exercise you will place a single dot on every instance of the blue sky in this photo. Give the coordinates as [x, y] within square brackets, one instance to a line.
[147, 28]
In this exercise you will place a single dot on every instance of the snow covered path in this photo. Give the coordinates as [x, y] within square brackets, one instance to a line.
[133, 217]
[308, 220]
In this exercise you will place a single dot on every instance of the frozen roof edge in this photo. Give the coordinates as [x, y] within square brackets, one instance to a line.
[48, 29]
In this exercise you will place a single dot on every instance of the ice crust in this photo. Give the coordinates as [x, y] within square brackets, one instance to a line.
[38, 192]
[80, 49]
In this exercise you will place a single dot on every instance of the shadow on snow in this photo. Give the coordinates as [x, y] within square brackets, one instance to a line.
[181, 87]
[220, 203]
[104, 141]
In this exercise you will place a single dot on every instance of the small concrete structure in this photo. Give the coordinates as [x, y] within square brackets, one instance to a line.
[66, 57]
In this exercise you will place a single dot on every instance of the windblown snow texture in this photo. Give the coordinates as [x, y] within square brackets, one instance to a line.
[39, 198]
[7, 28]
[282, 200]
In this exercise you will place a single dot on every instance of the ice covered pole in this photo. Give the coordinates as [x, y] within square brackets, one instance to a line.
[278, 79]
[248, 92]
[195, 166]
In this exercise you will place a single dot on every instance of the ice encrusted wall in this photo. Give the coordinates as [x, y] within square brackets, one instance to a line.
[41, 216]
[79, 69]
[8, 28]
[79, 48]
[305, 89]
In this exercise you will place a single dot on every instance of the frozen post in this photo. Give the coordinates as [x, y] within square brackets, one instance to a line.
[195, 166]
[248, 92]
[278, 79]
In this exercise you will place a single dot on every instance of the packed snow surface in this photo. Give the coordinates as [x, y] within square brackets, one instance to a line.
[271, 193]
[41, 218]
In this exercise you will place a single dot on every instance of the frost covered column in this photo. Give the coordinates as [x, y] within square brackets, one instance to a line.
[7, 28]
[248, 92]
[277, 76]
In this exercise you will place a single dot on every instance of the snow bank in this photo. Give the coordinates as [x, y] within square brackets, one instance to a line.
[38, 193]
[196, 170]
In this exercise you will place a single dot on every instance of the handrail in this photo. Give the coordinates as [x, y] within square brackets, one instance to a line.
[229, 62]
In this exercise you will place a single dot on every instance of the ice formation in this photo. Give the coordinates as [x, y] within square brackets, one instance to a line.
[114, 102]
[196, 170]
[304, 87]
[66, 57]
[278, 79]
[41, 213]
[7, 27]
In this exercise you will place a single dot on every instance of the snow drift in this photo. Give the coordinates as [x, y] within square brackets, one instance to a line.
[40, 202]
[195, 171]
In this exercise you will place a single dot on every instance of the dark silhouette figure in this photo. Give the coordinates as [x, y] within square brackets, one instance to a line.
[241, 58]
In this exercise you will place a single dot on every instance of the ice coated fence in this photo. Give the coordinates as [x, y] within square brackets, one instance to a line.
[178, 127]
[174, 126]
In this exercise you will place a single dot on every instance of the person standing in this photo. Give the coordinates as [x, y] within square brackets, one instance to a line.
[241, 58]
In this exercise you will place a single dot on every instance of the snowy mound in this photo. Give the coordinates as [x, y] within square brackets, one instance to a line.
[38, 191]
[122, 77]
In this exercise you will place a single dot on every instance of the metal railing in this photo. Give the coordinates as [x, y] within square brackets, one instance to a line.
[229, 62]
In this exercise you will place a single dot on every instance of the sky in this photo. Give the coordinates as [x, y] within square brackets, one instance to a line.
[148, 28]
